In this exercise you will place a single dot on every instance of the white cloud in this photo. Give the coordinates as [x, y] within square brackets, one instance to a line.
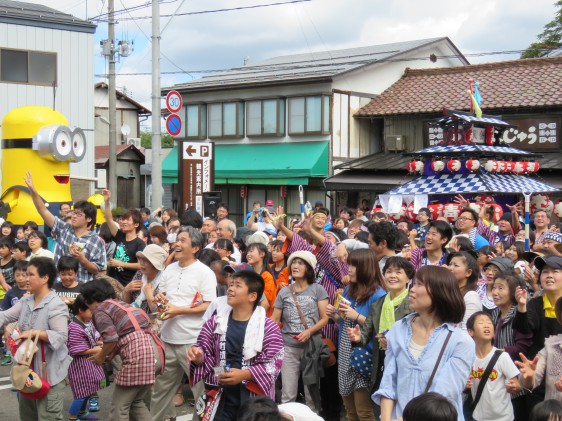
[222, 40]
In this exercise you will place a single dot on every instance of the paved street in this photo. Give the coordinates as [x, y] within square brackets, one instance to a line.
[9, 405]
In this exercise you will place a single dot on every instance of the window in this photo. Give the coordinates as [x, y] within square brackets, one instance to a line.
[309, 115]
[32, 67]
[265, 117]
[226, 119]
[196, 121]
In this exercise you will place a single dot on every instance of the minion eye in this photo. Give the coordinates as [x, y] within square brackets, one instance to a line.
[54, 142]
[78, 144]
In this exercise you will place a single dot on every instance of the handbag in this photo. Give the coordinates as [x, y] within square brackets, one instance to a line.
[208, 403]
[362, 361]
[28, 383]
[327, 343]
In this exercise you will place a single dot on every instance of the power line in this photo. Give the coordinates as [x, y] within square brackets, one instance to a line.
[256, 69]
[201, 12]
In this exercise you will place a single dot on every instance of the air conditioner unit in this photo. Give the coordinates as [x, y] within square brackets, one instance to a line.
[395, 142]
[134, 141]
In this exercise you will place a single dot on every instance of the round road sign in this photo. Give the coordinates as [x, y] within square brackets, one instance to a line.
[174, 101]
[173, 124]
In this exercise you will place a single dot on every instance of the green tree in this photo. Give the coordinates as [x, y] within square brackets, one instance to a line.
[167, 140]
[549, 39]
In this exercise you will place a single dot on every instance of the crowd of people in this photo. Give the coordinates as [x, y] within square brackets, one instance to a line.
[351, 316]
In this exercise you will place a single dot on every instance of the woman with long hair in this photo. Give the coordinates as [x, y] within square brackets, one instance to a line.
[426, 352]
[465, 270]
[364, 288]
[168, 214]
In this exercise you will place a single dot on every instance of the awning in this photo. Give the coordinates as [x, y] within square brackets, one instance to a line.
[170, 167]
[375, 181]
[266, 164]
[473, 183]
[484, 150]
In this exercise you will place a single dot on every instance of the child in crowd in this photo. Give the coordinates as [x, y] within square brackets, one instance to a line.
[252, 347]
[224, 248]
[546, 365]
[20, 251]
[549, 410]
[28, 227]
[6, 265]
[516, 252]
[7, 230]
[430, 406]
[258, 257]
[20, 235]
[85, 377]
[492, 269]
[492, 401]
[39, 245]
[11, 298]
[68, 288]
[279, 264]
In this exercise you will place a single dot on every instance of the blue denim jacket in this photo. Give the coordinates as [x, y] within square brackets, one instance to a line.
[405, 378]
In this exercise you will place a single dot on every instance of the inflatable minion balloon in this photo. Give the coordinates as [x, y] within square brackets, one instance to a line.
[37, 139]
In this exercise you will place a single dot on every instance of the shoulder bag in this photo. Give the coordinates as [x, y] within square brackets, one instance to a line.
[28, 383]
[438, 361]
[331, 348]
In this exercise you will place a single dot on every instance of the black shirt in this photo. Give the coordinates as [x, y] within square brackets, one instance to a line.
[65, 293]
[234, 396]
[125, 251]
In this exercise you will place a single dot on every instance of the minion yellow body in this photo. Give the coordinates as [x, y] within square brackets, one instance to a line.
[20, 153]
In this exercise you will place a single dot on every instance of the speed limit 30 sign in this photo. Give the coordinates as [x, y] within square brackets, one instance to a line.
[174, 102]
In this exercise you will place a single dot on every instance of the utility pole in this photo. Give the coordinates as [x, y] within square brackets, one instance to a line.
[156, 114]
[112, 98]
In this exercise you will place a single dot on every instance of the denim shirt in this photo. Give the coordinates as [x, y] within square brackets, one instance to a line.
[405, 377]
[50, 315]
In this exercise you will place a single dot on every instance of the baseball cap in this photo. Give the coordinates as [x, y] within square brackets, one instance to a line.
[237, 268]
[550, 261]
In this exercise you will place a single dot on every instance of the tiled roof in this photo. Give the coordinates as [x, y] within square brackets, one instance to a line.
[102, 152]
[33, 14]
[504, 85]
[307, 66]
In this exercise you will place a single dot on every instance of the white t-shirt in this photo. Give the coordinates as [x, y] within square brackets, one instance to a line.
[181, 285]
[299, 412]
[473, 304]
[495, 402]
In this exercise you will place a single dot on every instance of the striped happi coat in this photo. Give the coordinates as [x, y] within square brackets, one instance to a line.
[326, 262]
[265, 366]
[84, 375]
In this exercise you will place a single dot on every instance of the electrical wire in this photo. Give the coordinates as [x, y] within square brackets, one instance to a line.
[201, 12]
[256, 69]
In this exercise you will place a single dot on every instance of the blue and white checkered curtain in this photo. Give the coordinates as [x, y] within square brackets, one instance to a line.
[473, 183]
[472, 149]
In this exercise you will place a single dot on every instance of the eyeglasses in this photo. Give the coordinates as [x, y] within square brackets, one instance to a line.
[462, 218]
[78, 214]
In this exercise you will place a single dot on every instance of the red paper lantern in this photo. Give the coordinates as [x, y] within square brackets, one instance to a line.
[400, 215]
[472, 165]
[518, 168]
[541, 202]
[437, 166]
[501, 167]
[410, 212]
[436, 211]
[533, 166]
[490, 136]
[509, 166]
[498, 211]
[557, 210]
[454, 165]
[491, 165]
[451, 211]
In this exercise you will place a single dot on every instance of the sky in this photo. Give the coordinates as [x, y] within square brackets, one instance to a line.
[221, 40]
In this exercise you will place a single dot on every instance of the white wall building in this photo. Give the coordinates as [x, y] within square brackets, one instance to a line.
[47, 58]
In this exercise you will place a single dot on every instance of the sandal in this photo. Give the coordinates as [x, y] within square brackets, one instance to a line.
[178, 399]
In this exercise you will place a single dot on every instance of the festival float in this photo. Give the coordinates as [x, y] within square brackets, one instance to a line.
[471, 160]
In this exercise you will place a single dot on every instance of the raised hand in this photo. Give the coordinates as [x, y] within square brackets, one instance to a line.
[459, 199]
[354, 333]
[106, 193]
[29, 181]
[527, 368]
[521, 298]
